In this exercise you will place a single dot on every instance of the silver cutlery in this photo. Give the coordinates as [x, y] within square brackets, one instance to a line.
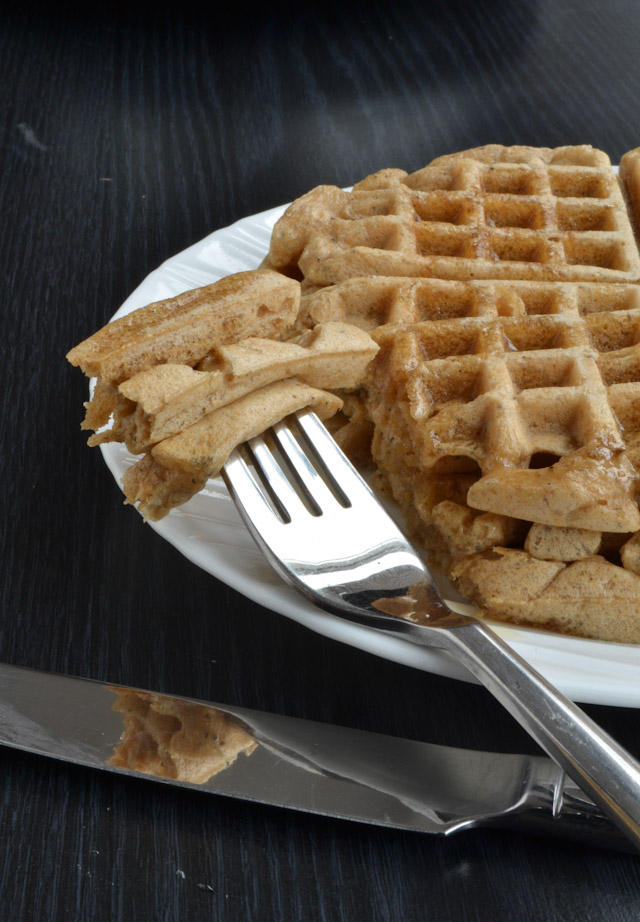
[326, 534]
[304, 765]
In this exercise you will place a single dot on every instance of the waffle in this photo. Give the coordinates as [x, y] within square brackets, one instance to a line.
[170, 738]
[168, 399]
[178, 467]
[183, 329]
[507, 425]
[502, 409]
[494, 212]
[187, 422]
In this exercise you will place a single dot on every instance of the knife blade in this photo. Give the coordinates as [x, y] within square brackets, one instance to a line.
[290, 762]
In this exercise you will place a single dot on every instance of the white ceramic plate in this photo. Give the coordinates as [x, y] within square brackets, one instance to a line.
[208, 530]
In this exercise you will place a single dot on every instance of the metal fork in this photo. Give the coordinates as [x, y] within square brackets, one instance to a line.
[324, 531]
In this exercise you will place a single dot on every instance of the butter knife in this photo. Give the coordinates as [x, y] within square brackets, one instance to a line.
[289, 762]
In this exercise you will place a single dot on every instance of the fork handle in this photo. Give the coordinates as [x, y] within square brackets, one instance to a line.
[595, 761]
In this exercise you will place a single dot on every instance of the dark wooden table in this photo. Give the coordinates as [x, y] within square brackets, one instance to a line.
[129, 133]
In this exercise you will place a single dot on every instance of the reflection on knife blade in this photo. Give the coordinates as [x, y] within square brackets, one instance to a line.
[175, 739]
[304, 765]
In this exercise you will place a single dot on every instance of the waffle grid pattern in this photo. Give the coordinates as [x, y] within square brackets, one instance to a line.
[500, 372]
[462, 218]
[501, 388]
[502, 286]
[475, 379]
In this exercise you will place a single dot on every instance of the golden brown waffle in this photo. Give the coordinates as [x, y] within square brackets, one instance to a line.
[183, 329]
[504, 391]
[184, 420]
[493, 212]
[507, 415]
[177, 468]
[188, 422]
[168, 399]
[503, 406]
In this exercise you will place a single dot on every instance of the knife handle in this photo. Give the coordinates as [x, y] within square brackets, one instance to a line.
[553, 804]
[602, 768]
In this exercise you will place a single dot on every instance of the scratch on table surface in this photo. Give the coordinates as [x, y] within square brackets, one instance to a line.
[30, 136]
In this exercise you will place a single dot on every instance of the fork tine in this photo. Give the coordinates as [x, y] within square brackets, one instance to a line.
[336, 466]
[278, 483]
[303, 469]
[245, 491]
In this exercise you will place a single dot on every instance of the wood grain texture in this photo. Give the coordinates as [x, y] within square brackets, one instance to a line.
[126, 134]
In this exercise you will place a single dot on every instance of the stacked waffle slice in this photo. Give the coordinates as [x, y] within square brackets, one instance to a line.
[501, 286]
[182, 382]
